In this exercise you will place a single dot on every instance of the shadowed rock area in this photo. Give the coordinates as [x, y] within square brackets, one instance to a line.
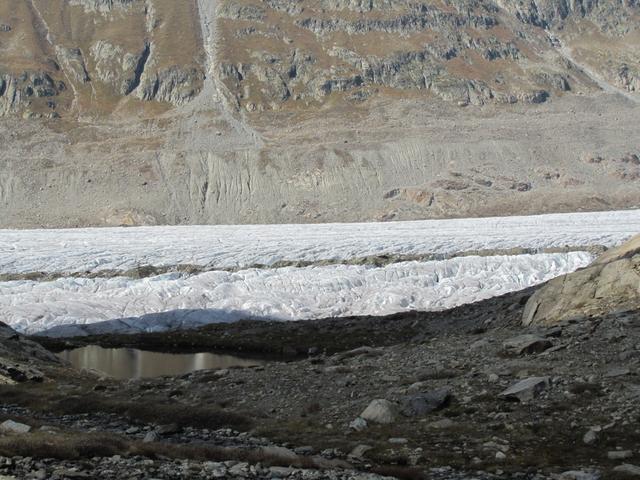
[21, 360]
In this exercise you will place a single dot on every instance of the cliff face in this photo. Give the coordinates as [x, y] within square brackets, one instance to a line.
[145, 111]
[72, 58]
[86, 57]
[468, 52]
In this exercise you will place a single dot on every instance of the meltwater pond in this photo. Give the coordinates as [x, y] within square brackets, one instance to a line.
[125, 363]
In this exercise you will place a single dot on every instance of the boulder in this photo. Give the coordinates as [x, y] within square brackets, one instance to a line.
[168, 429]
[151, 437]
[527, 389]
[619, 454]
[443, 424]
[613, 372]
[610, 284]
[281, 472]
[359, 352]
[591, 436]
[526, 344]
[424, 403]
[380, 411]
[628, 469]
[9, 426]
[579, 475]
[359, 451]
[359, 424]
[282, 453]
[398, 441]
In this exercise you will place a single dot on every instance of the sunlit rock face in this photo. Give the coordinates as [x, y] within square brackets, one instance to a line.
[72, 57]
[278, 54]
[611, 284]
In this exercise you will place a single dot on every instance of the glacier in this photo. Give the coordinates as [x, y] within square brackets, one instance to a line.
[242, 246]
[78, 306]
[242, 276]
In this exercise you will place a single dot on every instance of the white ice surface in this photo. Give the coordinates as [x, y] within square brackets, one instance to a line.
[80, 250]
[283, 293]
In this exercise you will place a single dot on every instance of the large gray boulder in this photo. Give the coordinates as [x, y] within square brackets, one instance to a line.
[380, 411]
[9, 426]
[527, 389]
[526, 344]
[628, 469]
[424, 403]
[611, 283]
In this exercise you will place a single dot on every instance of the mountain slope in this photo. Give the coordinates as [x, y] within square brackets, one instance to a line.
[206, 111]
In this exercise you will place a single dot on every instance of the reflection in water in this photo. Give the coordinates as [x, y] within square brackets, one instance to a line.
[124, 363]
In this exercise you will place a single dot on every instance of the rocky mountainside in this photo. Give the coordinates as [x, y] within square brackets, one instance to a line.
[203, 111]
[468, 52]
[71, 58]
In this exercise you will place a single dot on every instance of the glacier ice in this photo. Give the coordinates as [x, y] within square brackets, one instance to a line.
[232, 287]
[242, 246]
[177, 300]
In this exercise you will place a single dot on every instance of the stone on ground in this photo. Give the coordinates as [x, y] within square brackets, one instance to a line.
[526, 344]
[151, 437]
[424, 403]
[359, 424]
[619, 454]
[628, 469]
[580, 475]
[279, 452]
[380, 411]
[527, 389]
[9, 426]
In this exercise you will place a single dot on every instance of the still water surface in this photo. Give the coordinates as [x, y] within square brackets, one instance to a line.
[125, 363]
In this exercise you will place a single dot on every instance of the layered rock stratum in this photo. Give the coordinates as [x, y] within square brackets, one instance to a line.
[217, 111]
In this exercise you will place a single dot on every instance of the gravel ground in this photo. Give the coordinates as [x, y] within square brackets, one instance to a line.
[438, 383]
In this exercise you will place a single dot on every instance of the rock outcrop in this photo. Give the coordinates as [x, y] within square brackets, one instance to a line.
[465, 52]
[21, 359]
[610, 284]
[125, 49]
[29, 89]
